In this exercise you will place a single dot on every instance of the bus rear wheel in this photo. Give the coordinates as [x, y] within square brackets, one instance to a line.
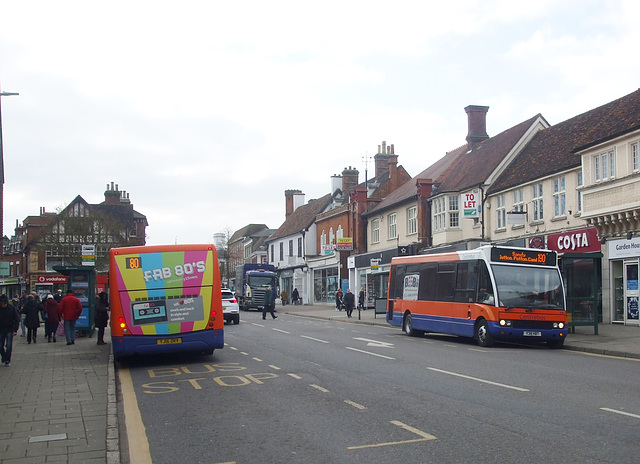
[407, 326]
[483, 336]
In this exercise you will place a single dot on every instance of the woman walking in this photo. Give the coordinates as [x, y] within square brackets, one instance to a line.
[52, 319]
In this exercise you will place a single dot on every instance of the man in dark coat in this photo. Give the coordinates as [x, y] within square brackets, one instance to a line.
[349, 302]
[9, 323]
[269, 303]
[32, 317]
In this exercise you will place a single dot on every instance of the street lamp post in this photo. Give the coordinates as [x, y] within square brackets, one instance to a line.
[2, 94]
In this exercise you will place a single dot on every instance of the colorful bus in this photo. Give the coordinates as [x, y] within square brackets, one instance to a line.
[165, 299]
[490, 293]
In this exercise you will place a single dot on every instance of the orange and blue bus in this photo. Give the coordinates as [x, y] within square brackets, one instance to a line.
[165, 299]
[490, 293]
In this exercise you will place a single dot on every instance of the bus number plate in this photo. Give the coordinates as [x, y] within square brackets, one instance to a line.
[529, 333]
[169, 341]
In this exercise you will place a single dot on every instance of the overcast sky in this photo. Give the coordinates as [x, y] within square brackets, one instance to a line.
[205, 112]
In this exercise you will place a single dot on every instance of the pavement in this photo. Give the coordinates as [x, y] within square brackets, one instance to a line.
[58, 403]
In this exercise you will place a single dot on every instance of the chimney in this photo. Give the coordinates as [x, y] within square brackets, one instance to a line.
[336, 183]
[289, 206]
[349, 178]
[381, 159]
[393, 172]
[111, 195]
[424, 190]
[477, 119]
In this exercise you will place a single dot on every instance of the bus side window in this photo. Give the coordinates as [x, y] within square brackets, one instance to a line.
[444, 281]
[466, 282]
[396, 281]
[485, 289]
[427, 289]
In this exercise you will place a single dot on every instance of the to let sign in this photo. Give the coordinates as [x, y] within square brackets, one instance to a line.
[470, 204]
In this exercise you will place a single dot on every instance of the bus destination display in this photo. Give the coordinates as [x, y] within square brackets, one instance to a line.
[523, 256]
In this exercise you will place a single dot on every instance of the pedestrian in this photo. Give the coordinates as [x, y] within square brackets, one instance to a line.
[23, 301]
[339, 300]
[269, 303]
[295, 296]
[31, 311]
[102, 316]
[70, 310]
[361, 299]
[9, 323]
[58, 296]
[52, 320]
[283, 297]
[349, 302]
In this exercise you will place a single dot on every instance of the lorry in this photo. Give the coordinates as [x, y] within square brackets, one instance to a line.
[252, 281]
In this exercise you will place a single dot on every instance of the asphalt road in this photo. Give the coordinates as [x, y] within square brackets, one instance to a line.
[312, 391]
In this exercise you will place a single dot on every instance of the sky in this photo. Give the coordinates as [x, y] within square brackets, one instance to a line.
[205, 112]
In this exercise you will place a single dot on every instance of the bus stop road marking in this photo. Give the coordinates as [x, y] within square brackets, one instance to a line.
[368, 352]
[615, 411]
[478, 380]
[425, 437]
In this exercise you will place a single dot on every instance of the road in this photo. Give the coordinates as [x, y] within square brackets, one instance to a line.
[305, 390]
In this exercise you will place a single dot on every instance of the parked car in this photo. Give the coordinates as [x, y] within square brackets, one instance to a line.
[230, 306]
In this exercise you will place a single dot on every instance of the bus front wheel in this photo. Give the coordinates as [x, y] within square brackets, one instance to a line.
[482, 334]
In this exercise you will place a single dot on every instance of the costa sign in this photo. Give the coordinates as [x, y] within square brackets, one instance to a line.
[578, 241]
[52, 279]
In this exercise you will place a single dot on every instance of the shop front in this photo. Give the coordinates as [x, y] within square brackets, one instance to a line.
[580, 260]
[624, 259]
[325, 274]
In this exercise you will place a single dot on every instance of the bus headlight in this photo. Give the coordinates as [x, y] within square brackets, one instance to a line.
[505, 323]
[558, 325]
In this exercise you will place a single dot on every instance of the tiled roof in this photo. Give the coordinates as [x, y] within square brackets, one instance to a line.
[246, 231]
[475, 167]
[302, 218]
[409, 190]
[552, 150]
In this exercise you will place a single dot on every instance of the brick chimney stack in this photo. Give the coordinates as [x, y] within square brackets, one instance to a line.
[477, 119]
[349, 178]
[393, 171]
[289, 204]
[381, 159]
[112, 195]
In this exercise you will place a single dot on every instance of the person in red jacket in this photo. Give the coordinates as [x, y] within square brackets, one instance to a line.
[70, 310]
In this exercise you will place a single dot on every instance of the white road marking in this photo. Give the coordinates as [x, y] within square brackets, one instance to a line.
[295, 376]
[274, 367]
[314, 339]
[280, 330]
[318, 387]
[368, 352]
[615, 411]
[257, 359]
[375, 342]
[478, 380]
[354, 404]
